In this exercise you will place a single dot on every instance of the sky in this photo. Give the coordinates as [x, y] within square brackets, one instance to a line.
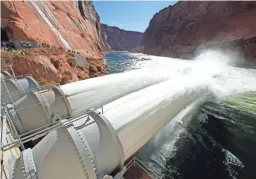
[129, 15]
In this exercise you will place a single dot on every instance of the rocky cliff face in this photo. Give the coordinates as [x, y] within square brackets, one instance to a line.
[181, 29]
[114, 38]
[73, 25]
[139, 49]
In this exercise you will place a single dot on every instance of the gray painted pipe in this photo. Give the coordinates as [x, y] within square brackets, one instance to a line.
[81, 151]
[16, 88]
[96, 92]
[137, 117]
[45, 107]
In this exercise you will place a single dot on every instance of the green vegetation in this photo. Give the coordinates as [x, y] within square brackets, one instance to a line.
[80, 77]
[71, 62]
[55, 62]
[66, 77]
[55, 7]
[54, 83]
[43, 82]
[99, 68]
[94, 65]
[93, 69]
[86, 70]
[10, 56]
[67, 73]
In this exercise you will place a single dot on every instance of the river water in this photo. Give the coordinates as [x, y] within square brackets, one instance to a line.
[214, 140]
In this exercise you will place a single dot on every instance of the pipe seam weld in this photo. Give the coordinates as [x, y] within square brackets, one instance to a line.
[89, 153]
[46, 106]
[17, 123]
[72, 138]
[28, 164]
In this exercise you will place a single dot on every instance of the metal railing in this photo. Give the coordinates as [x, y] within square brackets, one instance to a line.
[16, 140]
[20, 139]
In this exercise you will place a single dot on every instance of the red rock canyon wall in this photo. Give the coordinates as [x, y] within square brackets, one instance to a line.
[114, 38]
[180, 29]
[73, 25]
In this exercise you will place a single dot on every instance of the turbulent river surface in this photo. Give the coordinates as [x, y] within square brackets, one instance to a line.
[216, 139]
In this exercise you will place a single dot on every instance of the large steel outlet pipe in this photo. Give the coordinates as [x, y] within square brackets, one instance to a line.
[96, 145]
[96, 92]
[45, 107]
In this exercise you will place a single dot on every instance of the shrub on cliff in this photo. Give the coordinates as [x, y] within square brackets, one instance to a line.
[79, 77]
[66, 77]
[55, 7]
[99, 68]
[67, 73]
[95, 65]
[82, 35]
[93, 69]
[10, 56]
[55, 62]
[71, 62]
[43, 82]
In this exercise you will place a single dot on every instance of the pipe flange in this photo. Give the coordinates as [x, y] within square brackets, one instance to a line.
[85, 157]
[28, 165]
[33, 84]
[16, 121]
[6, 74]
[45, 105]
[88, 150]
[35, 106]
[110, 151]
[61, 105]
[14, 166]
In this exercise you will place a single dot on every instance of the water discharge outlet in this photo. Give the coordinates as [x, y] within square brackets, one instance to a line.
[95, 145]
[44, 107]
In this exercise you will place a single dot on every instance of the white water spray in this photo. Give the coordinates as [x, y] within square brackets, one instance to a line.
[213, 67]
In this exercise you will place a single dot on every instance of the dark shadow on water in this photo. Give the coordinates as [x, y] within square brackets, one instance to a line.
[213, 146]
